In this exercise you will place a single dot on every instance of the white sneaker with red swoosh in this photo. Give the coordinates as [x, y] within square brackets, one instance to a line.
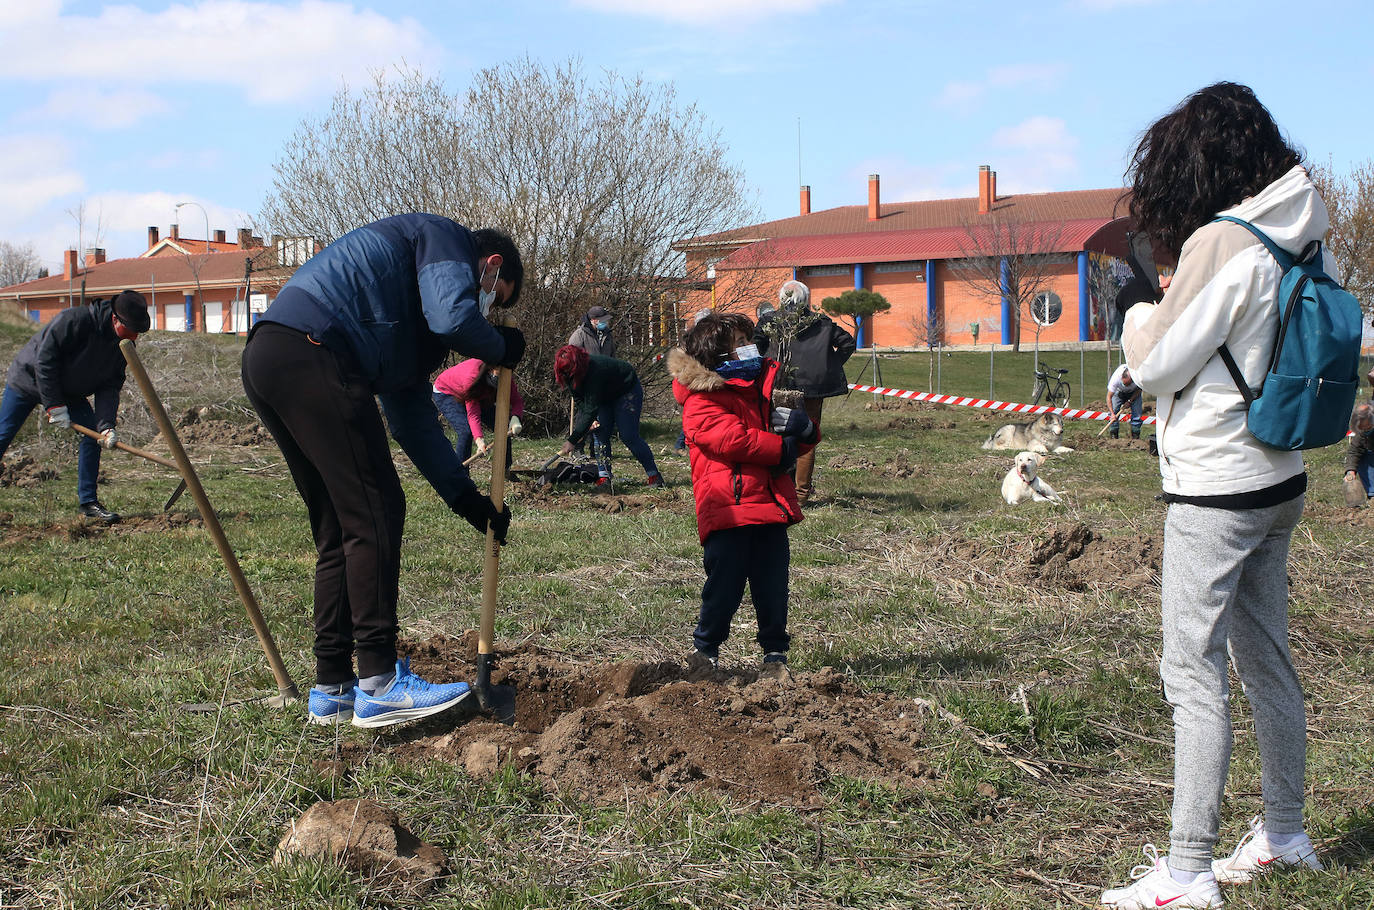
[1154, 887]
[1254, 855]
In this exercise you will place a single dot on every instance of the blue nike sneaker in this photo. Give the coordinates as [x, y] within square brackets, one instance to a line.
[408, 698]
[326, 708]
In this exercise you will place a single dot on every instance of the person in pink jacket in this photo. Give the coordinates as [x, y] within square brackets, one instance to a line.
[466, 395]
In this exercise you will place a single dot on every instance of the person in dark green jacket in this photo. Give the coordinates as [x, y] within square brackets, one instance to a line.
[598, 383]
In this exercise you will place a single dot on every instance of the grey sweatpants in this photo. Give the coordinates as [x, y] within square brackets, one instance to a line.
[1225, 588]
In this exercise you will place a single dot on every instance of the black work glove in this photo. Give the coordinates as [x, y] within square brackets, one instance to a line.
[793, 422]
[515, 345]
[478, 511]
[789, 456]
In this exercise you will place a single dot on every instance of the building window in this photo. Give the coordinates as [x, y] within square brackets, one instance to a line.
[292, 252]
[912, 265]
[711, 266]
[1046, 308]
[825, 271]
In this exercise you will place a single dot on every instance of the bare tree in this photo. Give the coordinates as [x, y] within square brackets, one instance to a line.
[18, 263]
[593, 177]
[1003, 258]
[1350, 200]
[929, 333]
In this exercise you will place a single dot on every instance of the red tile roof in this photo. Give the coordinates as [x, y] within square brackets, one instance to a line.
[212, 269]
[179, 246]
[1102, 205]
[888, 246]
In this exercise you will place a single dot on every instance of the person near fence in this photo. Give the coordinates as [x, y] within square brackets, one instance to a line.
[811, 350]
[465, 394]
[367, 319]
[1122, 392]
[1232, 501]
[741, 449]
[75, 357]
[595, 383]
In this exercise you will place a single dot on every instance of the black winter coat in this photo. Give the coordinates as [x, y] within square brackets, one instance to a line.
[812, 353]
[75, 355]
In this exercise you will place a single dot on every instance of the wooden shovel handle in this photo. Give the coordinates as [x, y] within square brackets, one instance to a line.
[156, 459]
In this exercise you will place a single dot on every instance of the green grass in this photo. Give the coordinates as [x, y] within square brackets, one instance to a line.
[111, 796]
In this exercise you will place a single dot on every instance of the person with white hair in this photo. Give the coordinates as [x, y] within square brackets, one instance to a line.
[812, 351]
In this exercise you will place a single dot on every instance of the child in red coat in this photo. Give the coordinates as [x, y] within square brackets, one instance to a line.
[741, 449]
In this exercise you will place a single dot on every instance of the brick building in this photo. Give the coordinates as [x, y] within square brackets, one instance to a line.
[920, 257]
[192, 285]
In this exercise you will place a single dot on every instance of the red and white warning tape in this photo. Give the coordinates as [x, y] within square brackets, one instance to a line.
[989, 405]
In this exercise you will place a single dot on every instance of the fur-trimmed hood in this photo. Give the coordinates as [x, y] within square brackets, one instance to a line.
[690, 373]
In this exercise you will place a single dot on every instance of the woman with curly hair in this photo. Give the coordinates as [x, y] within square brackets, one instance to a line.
[1233, 502]
[600, 384]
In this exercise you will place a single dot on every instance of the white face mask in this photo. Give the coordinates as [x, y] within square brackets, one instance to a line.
[747, 352]
[486, 298]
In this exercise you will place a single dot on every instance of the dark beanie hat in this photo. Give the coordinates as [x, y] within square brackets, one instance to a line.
[132, 309]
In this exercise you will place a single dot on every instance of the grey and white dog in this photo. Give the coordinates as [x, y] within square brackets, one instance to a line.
[1044, 435]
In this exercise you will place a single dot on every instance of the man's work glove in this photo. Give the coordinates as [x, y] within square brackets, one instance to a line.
[515, 425]
[58, 415]
[481, 445]
[515, 345]
[109, 438]
[478, 511]
[792, 422]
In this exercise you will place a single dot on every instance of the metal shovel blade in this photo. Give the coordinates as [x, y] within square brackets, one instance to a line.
[176, 494]
[497, 701]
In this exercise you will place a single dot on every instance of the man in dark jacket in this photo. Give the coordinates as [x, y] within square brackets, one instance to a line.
[375, 313]
[812, 351]
[74, 356]
[594, 334]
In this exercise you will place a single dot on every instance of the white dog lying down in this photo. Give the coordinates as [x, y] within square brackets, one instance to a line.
[1021, 482]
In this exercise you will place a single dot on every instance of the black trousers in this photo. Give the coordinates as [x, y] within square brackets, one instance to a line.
[324, 418]
[758, 554]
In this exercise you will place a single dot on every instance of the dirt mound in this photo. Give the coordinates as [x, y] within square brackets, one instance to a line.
[195, 428]
[1087, 442]
[1074, 558]
[23, 472]
[82, 528]
[555, 497]
[644, 730]
[920, 423]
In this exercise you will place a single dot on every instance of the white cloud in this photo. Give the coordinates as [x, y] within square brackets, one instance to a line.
[97, 109]
[1039, 153]
[271, 52]
[703, 12]
[1036, 76]
[35, 170]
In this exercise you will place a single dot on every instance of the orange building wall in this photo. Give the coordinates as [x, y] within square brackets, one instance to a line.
[48, 307]
[906, 291]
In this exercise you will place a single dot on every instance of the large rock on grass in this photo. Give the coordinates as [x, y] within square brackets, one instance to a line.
[366, 837]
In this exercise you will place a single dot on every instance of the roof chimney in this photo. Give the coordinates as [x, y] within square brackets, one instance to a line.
[245, 238]
[992, 188]
[175, 232]
[69, 264]
[872, 197]
[806, 200]
[152, 236]
[985, 191]
[219, 236]
[95, 256]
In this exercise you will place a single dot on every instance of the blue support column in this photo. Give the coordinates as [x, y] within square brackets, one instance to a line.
[1084, 304]
[931, 316]
[1006, 303]
[862, 340]
[190, 314]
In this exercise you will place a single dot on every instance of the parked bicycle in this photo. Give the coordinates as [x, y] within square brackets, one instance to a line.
[1053, 389]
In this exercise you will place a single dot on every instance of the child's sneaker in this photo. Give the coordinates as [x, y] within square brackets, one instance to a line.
[330, 708]
[1154, 887]
[603, 482]
[407, 698]
[1254, 855]
[655, 480]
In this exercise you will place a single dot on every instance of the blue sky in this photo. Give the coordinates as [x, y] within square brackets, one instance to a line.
[130, 108]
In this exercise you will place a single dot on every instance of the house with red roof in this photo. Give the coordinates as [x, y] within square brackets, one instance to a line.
[209, 285]
[924, 258]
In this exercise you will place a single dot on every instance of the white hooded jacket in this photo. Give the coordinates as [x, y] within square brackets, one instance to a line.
[1224, 291]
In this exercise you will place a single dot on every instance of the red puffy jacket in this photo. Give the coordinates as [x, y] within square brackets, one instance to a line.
[733, 452]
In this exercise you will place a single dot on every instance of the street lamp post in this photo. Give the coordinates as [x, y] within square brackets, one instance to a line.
[207, 220]
[195, 269]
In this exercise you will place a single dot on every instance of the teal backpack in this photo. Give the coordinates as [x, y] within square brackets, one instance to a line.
[1310, 386]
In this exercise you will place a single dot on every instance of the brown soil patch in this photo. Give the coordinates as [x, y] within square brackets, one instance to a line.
[1075, 558]
[82, 528]
[608, 732]
[555, 497]
[1085, 441]
[197, 429]
[24, 472]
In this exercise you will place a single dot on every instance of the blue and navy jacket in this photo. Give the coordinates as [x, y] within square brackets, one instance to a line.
[394, 297]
